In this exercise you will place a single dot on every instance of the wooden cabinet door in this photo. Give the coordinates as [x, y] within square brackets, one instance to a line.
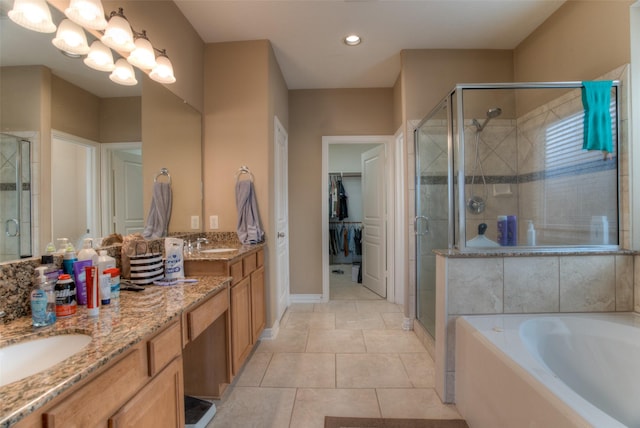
[159, 404]
[257, 304]
[240, 323]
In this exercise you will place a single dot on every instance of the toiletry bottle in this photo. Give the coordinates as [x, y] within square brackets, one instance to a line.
[502, 229]
[93, 291]
[115, 283]
[69, 259]
[66, 303]
[43, 305]
[103, 262]
[87, 252]
[512, 230]
[531, 234]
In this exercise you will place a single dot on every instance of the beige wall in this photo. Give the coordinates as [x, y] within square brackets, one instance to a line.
[74, 110]
[120, 120]
[171, 138]
[312, 115]
[580, 41]
[236, 130]
[21, 97]
[429, 74]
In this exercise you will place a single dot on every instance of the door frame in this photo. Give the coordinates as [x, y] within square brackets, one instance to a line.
[106, 186]
[395, 293]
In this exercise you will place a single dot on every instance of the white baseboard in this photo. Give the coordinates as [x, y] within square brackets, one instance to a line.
[270, 333]
[306, 298]
[407, 324]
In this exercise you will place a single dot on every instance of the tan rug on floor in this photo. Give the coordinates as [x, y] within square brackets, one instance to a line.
[338, 422]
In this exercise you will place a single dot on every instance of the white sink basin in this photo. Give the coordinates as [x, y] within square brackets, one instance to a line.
[24, 359]
[219, 250]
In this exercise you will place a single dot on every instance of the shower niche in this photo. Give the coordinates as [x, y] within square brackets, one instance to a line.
[501, 167]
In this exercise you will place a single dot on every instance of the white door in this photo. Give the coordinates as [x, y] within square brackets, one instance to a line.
[374, 256]
[127, 194]
[282, 217]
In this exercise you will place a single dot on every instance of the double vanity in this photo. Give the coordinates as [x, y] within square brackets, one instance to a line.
[146, 352]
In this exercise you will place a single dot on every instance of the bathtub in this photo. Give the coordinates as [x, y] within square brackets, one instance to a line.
[554, 370]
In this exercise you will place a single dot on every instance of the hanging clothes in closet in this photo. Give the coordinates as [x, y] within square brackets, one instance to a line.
[338, 198]
[345, 239]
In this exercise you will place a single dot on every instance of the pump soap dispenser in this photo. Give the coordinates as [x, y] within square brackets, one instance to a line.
[43, 300]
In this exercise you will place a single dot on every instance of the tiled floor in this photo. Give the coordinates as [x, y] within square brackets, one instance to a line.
[348, 357]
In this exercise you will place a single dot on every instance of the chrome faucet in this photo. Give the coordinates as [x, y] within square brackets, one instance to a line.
[200, 241]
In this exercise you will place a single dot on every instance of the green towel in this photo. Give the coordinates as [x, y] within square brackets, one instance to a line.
[596, 98]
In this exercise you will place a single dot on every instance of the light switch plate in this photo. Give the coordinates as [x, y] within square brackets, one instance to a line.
[213, 222]
[195, 222]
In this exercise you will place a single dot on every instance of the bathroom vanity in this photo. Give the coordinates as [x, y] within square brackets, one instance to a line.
[245, 266]
[145, 354]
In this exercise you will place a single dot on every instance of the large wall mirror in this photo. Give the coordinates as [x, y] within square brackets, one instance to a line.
[78, 159]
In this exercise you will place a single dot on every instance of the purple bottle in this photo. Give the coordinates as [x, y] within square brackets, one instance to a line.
[512, 230]
[502, 230]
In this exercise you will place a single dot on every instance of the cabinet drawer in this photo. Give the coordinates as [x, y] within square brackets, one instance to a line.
[235, 271]
[249, 264]
[95, 402]
[164, 347]
[204, 315]
[159, 404]
[260, 258]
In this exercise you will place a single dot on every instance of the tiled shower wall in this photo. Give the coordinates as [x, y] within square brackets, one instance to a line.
[538, 283]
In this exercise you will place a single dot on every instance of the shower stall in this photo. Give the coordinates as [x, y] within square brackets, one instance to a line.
[15, 197]
[501, 168]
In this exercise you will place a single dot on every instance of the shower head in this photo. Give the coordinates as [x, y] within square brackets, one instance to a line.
[491, 113]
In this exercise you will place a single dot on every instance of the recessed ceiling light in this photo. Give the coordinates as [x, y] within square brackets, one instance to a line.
[352, 40]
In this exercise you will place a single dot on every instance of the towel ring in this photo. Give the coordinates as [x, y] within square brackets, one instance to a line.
[165, 172]
[244, 170]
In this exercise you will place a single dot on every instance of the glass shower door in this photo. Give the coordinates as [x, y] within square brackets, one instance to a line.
[432, 209]
[15, 198]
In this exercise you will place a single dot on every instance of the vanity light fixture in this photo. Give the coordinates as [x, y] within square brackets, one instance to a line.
[123, 73]
[100, 57]
[88, 13]
[32, 14]
[143, 55]
[118, 34]
[352, 40]
[71, 39]
[163, 71]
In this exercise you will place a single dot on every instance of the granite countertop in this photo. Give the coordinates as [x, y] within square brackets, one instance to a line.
[238, 250]
[119, 326]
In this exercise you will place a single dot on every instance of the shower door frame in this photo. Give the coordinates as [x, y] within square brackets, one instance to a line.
[457, 92]
[19, 218]
[445, 104]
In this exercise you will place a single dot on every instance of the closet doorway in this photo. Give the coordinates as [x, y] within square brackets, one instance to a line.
[357, 218]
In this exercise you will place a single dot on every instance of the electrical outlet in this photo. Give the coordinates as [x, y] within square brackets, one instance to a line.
[213, 222]
[195, 222]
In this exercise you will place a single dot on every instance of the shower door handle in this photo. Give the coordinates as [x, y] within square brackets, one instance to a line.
[7, 227]
[416, 228]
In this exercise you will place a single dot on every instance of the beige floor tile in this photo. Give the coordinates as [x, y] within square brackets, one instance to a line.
[352, 292]
[288, 340]
[383, 341]
[307, 370]
[335, 306]
[255, 407]
[393, 320]
[254, 369]
[312, 405]
[381, 306]
[370, 371]
[302, 320]
[359, 321]
[335, 341]
[420, 368]
[300, 307]
[414, 403]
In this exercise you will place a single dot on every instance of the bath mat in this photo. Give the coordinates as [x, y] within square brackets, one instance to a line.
[338, 422]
